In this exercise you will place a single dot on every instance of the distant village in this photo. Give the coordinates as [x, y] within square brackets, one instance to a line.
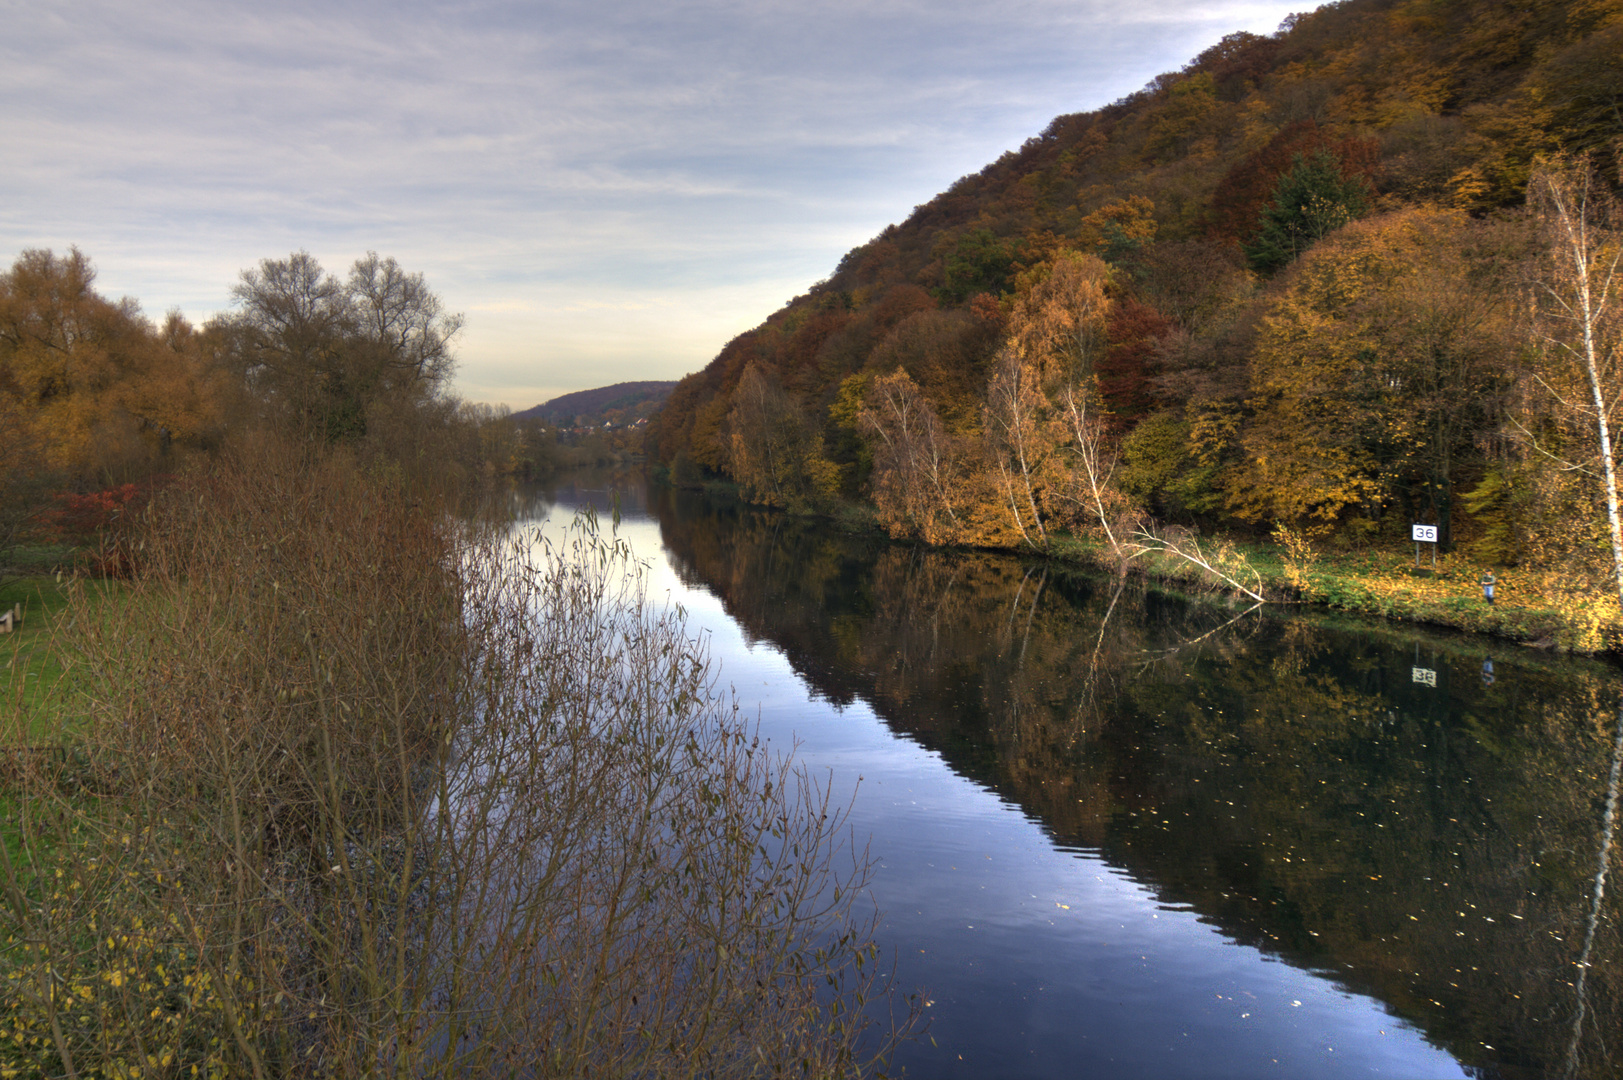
[581, 427]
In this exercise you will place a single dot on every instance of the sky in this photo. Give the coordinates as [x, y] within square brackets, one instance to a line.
[608, 190]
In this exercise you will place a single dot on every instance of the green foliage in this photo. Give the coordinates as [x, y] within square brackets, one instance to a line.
[1495, 505]
[847, 448]
[1311, 201]
[41, 681]
[1160, 472]
[978, 263]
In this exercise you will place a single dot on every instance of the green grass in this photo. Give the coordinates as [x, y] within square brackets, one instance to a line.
[1382, 583]
[40, 559]
[39, 681]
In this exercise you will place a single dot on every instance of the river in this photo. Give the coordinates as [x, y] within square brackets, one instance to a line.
[1122, 834]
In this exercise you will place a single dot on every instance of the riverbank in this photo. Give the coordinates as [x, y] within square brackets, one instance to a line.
[1531, 608]
[1537, 609]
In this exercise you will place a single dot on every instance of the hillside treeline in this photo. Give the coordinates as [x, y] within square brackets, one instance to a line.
[1297, 283]
[96, 398]
[618, 405]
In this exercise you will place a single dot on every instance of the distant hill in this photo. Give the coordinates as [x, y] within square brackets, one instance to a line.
[620, 403]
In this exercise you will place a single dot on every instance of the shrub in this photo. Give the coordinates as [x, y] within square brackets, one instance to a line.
[366, 791]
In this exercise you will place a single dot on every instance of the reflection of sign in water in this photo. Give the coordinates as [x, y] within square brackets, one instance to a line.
[1428, 533]
[1425, 676]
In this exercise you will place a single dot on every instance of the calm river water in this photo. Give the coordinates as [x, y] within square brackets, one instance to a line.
[1123, 835]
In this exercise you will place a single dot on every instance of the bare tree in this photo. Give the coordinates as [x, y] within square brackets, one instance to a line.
[1095, 456]
[1579, 328]
[362, 795]
[917, 466]
[325, 351]
[403, 322]
[1577, 321]
[1022, 439]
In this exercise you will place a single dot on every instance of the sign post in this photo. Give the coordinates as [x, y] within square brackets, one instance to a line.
[1425, 534]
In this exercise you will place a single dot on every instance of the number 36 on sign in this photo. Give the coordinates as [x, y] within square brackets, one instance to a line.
[1428, 533]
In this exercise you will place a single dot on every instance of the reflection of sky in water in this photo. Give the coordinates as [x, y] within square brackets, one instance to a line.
[1037, 960]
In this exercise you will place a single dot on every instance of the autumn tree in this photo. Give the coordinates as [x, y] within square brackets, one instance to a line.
[1119, 229]
[91, 385]
[947, 353]
[919, 469]
[1578, 325]
[1128, 362]
[1377, 371]
[1274, 144]
[1023, 437]
[1446, 319]
[1045, 421]
[1330, 430]
[321, 352]
[777, 451]
[1059, 320]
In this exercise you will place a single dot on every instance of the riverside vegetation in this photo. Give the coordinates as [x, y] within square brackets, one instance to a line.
[347, 790]
[307, 770]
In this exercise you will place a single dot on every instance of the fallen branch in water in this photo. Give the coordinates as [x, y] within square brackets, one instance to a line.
[1223, 565]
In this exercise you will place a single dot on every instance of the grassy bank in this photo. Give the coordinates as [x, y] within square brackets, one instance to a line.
[1531, 607]
[38, 674]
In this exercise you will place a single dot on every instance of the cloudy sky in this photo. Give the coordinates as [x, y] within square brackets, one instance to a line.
[608, 189]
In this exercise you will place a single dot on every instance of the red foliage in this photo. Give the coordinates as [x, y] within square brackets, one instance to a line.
[93, 520]
[1128, 362]
[985, 307]
[78, 518]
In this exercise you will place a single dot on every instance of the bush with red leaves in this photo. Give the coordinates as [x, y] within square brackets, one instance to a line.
[93, 521]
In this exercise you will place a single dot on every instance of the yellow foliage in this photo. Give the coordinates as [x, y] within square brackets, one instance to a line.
[1120, 224]
[89, 380]
[135, 999]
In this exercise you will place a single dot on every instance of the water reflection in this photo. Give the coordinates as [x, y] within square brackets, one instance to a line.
[1425, 821]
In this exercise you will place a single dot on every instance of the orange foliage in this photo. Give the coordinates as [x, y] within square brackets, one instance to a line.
[92, 383]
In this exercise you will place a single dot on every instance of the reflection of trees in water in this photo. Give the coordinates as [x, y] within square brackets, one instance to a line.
[605, 491]
[1592, 922]
[1433, 845]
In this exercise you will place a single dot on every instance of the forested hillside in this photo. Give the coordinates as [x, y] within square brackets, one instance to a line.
[1298, 283]
[621, 403]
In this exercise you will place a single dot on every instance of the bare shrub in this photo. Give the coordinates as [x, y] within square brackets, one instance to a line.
[362, 792]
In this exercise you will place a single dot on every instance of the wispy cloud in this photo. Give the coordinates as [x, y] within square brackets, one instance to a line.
[610, 190]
